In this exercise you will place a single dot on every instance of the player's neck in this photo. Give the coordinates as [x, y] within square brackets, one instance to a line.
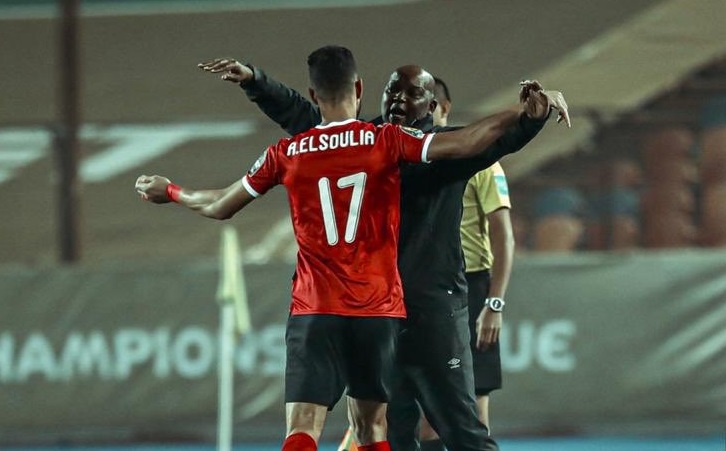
[338, 112]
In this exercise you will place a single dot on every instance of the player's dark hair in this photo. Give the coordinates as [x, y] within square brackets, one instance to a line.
[441, 88]
[332, 71]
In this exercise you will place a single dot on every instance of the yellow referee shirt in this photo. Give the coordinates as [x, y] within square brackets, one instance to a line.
[486, 192]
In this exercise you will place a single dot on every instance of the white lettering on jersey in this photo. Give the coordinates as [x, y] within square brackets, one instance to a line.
[342, 140]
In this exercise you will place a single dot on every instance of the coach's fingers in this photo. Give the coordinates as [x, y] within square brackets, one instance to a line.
[533, 83]
[232, 70]
[565, 114]
[527, 87]
[537, 105]
[224, 65]
[217, 65]
[230, 76]
[524, 93]
[559, 103]
[209, 65]
[524, 90]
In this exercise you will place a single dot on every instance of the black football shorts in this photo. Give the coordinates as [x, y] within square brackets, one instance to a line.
[329, 354]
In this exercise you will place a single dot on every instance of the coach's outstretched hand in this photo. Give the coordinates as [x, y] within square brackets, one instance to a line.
[232, 69]
[538, 101]
[153, 188]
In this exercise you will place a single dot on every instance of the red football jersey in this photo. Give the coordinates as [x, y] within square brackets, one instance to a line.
[343, 187]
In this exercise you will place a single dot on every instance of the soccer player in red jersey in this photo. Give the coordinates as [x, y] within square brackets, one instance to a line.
[343, 185]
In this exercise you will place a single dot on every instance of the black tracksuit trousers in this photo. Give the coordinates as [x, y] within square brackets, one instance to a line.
[434, 366]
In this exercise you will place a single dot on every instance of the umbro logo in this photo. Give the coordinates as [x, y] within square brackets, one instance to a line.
[454, 363]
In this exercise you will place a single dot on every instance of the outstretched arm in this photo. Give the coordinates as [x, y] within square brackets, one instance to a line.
[469, 141]
[285, 106]
[215, 204]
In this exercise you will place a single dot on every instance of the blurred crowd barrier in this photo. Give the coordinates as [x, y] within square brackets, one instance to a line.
[110, 353]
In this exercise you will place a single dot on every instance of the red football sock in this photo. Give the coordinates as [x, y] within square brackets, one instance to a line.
[378, 446]
[300, 441]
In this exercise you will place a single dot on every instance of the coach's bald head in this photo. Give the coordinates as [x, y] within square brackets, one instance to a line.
[408, 95]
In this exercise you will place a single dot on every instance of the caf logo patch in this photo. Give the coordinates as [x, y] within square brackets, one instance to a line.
[416, 133]
[258, 164]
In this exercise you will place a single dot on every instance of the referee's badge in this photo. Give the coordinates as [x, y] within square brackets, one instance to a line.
[501, 181]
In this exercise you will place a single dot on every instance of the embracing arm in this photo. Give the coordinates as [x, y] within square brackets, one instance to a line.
[216, 204]
[538, 104]
[285, 106]
[513, 140]
[470, 140]
[476, 138]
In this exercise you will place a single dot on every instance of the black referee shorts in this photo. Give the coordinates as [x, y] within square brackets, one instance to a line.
[327, 354]
[487, 362]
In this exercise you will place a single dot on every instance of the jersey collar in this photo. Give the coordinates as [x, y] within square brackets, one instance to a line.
[335, 124]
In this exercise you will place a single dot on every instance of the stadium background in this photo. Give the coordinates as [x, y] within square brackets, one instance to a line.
[616, 325]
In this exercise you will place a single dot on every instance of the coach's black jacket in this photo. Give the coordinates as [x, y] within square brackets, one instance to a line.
[430, 258]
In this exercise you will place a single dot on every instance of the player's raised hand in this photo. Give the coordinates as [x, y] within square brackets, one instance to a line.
[538, 101]
[527, 87]
[153, 188]
[231, 69]
[536, 104]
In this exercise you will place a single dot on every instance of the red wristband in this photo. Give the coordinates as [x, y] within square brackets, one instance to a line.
[172, 192]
